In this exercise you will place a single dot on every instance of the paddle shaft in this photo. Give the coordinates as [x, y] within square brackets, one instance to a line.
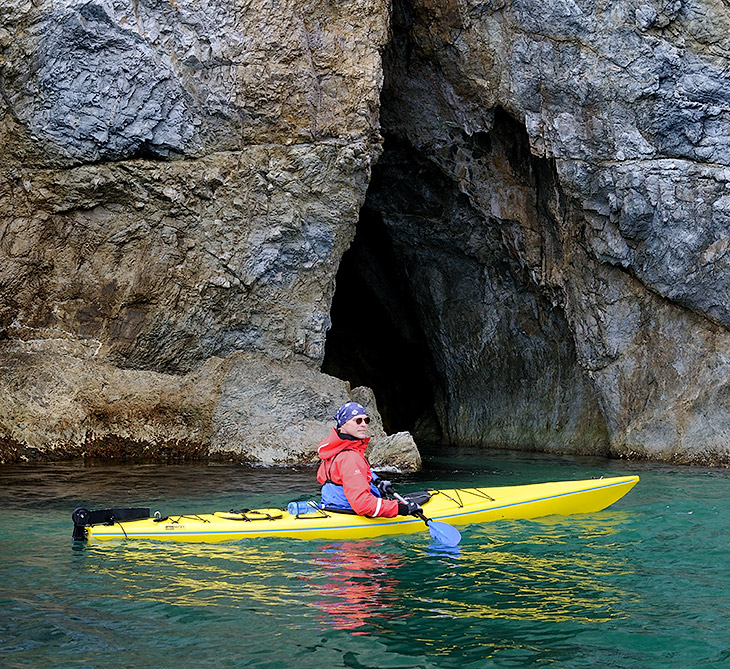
[443, 533]
[420, 514]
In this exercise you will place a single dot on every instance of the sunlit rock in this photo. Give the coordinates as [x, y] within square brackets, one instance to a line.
[394, 452]
[275, 412]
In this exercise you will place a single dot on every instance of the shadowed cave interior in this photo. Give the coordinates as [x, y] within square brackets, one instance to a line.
[375, 338]
[380, 329]
[436, 310]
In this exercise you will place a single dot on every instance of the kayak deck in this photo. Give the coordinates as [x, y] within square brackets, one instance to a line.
[457, 506]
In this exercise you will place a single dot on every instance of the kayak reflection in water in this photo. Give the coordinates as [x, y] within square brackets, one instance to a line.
[348, 482]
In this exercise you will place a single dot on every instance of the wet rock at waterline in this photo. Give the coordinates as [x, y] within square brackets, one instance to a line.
[244, 408]
[394, 452]
[59, 404]
[546, 225]
[277, 413]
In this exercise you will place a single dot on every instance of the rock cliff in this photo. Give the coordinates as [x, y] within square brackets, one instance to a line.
[563, 219]
[179, 183]
[540, 193]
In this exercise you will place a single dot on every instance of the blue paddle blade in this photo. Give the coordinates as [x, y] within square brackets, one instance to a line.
[444, 533]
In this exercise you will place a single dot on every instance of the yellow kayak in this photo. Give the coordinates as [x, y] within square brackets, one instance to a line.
[457, 506]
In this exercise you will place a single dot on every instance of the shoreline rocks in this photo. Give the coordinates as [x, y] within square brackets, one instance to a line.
[245, 408]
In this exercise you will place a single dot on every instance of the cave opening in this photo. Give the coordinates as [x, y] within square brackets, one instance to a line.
[450, 303]
[376, 339]
[440, 306]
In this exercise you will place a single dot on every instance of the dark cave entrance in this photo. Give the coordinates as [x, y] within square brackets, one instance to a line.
[449, 303]
[438, 310]
[376, 339]
[411, 292]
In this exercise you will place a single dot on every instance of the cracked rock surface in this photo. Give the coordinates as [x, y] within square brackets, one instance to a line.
[179, 183]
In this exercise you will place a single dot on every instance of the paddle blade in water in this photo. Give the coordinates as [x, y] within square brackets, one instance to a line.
[444, 533]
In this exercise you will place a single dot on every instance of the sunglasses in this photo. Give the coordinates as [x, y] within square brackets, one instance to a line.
[360, 421]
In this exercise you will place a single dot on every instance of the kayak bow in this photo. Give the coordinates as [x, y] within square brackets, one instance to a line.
[458, 506]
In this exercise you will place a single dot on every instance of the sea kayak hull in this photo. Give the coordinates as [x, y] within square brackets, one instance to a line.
[460, 506]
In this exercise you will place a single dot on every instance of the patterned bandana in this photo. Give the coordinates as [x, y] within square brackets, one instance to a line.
[348, 411]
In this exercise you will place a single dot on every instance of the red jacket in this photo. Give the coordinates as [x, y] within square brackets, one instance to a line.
[352, 471]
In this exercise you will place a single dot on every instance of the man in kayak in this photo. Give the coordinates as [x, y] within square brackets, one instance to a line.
[348, 482]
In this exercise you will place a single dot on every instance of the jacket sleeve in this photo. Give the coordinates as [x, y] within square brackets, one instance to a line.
[353, 470]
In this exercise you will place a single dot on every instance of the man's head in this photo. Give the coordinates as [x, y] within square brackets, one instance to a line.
[352, 419]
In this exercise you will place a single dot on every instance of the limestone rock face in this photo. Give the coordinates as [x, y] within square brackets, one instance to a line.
[245, 408]
[103, 80]
[590, 143]
[57, 404]
[275, 413]
[233, 245]
[162, 265]
[394, 452]
[178, 183]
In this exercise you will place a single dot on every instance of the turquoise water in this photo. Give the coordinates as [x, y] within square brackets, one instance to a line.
[645, 583]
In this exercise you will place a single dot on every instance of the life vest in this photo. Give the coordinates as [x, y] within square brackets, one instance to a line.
[347, 479]
[333, 494]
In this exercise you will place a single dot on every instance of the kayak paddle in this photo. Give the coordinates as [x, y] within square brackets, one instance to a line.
[442, 532]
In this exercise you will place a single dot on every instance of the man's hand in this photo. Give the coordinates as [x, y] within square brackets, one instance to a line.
[385, 487]
[410, 508]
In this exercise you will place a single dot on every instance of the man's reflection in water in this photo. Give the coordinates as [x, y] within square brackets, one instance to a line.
[360, 584]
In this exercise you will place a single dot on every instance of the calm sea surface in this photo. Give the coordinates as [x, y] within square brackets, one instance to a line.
[645, 583]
